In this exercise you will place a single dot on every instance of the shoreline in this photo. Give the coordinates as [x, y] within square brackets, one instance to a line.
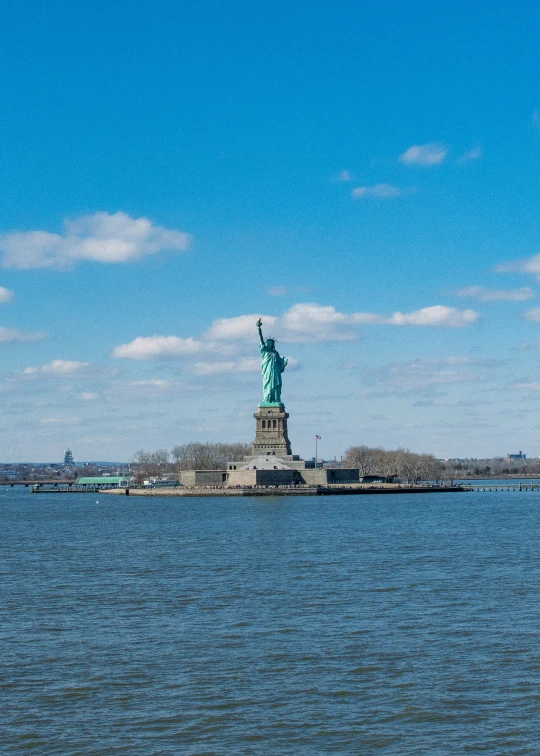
[283, 491]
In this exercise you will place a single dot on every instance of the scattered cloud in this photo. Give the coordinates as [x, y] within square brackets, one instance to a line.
[460, 360]
[403, 377]
[482, 294]
[301, 323]
[529, 265]
[310, 322]
[165, 347]
[100, 237]
[424, 154]
[5, 295]
[89, 396]
[437, 316]
[61, 367]
[379, 191]
[344, 177]
[14, 336]
[245, 365]
[60, 421]
[277, 291]
[534, 386]
[239, 327]
[535, 119]
[154, 383]
[532, 315]
[475, 154]
[66, 369]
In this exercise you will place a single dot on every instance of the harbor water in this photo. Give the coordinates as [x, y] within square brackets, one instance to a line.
[403, 624]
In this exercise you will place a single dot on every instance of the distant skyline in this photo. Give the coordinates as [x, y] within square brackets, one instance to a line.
[364, 178]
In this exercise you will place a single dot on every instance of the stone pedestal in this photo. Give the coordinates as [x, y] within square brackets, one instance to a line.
[271, 435]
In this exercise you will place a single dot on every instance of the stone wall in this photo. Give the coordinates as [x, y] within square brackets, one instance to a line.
[263, 477]
[202, 477]
[323, 477]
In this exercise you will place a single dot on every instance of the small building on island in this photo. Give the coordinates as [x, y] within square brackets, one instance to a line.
[106, 481]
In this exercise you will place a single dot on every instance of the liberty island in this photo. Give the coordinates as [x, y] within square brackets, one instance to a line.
[269, 467]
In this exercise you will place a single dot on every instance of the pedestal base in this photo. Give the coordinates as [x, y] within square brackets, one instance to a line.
[271, 436]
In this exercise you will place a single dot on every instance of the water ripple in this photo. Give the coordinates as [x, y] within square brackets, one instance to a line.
[302, 626]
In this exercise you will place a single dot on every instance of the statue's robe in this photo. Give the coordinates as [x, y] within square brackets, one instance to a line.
[272, 367]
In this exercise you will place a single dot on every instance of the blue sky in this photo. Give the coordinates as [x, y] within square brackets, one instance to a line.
[365, 177]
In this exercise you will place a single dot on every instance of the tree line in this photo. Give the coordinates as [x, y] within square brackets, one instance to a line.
[397, 463]
[192, 456]
[467, 468]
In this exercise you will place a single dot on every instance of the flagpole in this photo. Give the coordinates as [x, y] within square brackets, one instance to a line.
[316, 441]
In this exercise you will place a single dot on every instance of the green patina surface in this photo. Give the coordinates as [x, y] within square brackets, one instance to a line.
[272, 367]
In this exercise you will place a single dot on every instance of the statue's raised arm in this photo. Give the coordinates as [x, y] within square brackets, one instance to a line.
[272, 367]
[259, 327]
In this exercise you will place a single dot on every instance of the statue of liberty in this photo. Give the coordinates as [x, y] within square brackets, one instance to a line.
[272, 367]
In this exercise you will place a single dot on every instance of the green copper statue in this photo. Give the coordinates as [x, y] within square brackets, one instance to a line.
[272, 367]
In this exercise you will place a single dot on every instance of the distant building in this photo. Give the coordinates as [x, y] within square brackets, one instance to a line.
[519, 455]
[68, 457]
[106, 481]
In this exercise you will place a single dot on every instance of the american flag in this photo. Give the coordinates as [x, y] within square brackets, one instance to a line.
[319, 438]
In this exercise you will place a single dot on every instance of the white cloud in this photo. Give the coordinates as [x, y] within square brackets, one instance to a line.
[496, 295]
[310, 322]
[240, 327]
[5, 295]
[535, 119]
[165, 347]
[475, 154]
[379, 191]
[301, 323]
[13, 335]
[344, 177]
[59, 368]
[100, 237]
[437, 316]
[424, 154]
[532, 315]
[89, 396]
[525, 265]
[277, 291]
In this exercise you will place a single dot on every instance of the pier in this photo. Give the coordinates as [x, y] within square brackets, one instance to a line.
[501, 488]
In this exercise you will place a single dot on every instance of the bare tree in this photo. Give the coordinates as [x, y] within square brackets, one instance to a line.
[207, 456]
[150, 464]
[361, 457]
[399, 463]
